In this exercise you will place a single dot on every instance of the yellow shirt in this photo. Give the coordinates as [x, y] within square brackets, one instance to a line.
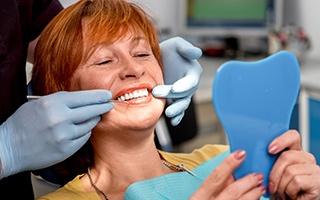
[75, 190]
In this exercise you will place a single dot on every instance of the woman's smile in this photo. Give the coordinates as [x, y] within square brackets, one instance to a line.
[133, 95]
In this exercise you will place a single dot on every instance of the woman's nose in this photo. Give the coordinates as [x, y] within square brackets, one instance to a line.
[132, 69]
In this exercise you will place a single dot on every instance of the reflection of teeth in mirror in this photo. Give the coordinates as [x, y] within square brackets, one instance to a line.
[134, 94]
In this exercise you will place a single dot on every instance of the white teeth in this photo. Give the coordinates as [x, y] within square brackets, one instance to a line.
[134, 94]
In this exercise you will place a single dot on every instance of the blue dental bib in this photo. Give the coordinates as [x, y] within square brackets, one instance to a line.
[175, 186]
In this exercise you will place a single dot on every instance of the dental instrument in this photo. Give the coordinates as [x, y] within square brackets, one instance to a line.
[34, 97]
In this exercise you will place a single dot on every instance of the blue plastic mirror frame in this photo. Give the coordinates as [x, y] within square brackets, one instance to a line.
[254, 102]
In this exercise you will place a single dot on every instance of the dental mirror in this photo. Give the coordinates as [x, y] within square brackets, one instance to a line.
[254, 102]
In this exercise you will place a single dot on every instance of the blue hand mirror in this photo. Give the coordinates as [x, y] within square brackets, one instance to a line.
[254, 102]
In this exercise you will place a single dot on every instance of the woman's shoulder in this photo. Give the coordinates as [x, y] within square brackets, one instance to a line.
[196, 157]
[212, 150]
[72, 190]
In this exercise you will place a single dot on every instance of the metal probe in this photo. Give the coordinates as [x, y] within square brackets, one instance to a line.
[34, 97]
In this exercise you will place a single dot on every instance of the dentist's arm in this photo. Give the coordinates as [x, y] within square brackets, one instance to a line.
[182, 74]
[48, 130]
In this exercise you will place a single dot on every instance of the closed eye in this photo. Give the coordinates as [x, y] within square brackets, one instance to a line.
[143, 55]
[104, 62]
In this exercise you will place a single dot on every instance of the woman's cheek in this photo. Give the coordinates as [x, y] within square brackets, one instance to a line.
[96, 82]
[159, 79]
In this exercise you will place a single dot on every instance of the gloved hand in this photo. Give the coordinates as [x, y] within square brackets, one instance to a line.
[48, 130]
[182, 74]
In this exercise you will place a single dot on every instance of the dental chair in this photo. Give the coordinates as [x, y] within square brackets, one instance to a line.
[168, 136]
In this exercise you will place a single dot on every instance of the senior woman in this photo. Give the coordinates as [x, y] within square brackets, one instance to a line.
[113, 45]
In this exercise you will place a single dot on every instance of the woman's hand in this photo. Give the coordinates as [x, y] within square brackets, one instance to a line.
[295, 173]
[220, 185]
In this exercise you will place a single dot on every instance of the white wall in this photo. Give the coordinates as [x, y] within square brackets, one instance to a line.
[164, 11]
[310, 21]
[66, 3]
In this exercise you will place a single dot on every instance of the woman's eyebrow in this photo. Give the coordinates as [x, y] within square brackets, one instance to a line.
[138, 39]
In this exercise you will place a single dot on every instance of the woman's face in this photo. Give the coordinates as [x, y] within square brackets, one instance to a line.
[129, 70]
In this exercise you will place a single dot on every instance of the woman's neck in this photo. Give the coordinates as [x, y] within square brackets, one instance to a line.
[119, 164]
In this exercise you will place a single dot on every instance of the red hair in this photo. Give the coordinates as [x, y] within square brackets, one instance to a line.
[63, 46]
[69, 40]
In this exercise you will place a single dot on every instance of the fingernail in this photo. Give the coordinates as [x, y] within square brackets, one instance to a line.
[271, 188]
[259, 177]
[262, 188]
[240, 154]
[273, 148]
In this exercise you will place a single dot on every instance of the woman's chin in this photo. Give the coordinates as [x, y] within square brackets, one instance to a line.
[133, 116]
[142, 121]
[130, 121]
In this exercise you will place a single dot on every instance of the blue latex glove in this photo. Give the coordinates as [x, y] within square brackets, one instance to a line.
[182, 74]
[48, 130]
